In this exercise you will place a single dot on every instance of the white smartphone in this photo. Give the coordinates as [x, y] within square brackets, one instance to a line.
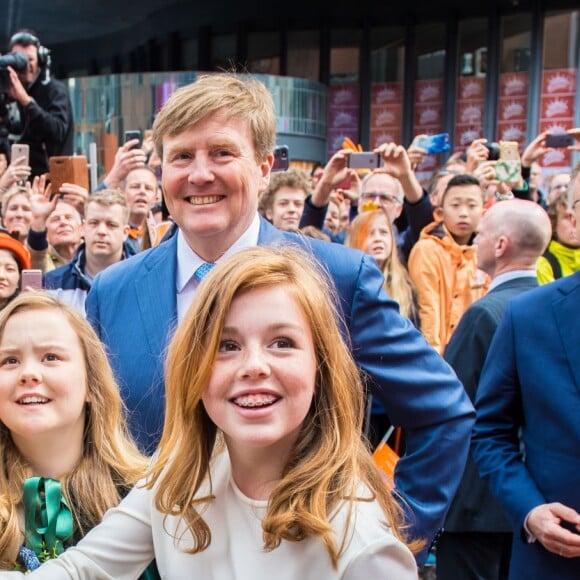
[31, 280]
[18, 151]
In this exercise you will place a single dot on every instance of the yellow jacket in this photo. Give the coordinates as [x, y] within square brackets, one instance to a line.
[568, 258]
[447, 280]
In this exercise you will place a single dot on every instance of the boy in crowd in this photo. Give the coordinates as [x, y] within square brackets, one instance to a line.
[283, 202]
[442, 264]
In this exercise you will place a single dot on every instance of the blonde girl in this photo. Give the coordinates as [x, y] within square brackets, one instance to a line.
[261, 471]
[62, 433]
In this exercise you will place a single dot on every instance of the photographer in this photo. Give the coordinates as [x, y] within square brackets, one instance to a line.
[39, 111]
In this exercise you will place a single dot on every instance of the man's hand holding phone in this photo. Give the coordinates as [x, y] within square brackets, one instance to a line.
[396, 163]
[127, 158]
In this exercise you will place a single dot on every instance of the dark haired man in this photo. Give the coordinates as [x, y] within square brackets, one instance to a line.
[40, 111]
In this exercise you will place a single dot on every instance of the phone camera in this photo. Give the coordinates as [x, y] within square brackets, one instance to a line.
[493, 149]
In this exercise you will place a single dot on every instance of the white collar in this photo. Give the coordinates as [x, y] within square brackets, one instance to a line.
[188, 261]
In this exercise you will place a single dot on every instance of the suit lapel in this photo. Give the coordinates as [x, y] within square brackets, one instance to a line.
[566, 308]
[158, 306]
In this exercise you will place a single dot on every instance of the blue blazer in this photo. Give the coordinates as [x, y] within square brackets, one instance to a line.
[474, 509]
[531, 381]
[132, 306]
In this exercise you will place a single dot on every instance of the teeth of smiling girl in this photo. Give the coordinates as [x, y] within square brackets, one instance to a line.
[30, 400]
[257, 400]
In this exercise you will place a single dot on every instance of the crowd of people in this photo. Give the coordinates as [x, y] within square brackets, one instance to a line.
[188, 392]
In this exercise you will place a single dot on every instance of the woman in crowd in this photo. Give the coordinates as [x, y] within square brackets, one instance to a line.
[14, 258]
[65, 456]
[261, 471]
[17, 212]
[372, 233]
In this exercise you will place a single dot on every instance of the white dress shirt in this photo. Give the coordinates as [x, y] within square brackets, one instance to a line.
[188, 262]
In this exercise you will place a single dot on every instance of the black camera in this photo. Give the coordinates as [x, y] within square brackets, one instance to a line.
[493, 149]
[17, 61]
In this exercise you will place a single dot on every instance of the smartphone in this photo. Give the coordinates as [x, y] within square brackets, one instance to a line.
[493, 149]
[31, 280]
[363, 160]
[434, 143]
[19, 150]
[134, 134]
[508, 167]
[68, 169]
[560, 140]
[281, 158]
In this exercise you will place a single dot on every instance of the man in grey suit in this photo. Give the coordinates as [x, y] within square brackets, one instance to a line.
[476, 542]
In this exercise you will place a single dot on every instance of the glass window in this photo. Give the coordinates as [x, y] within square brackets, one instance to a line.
[304, 54]
[429, 92]
[558, 98]
[223, 52]
[513, 92]
[387, 74]
[344, 91]
[470, 102]
[264, 53]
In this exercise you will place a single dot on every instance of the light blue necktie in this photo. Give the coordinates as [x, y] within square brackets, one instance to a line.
[203, 270]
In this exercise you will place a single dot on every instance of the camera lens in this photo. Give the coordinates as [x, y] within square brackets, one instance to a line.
[493, 149]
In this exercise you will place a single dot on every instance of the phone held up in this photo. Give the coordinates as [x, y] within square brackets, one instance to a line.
[363, 160]
[560, 140]
[508, 166]
[131, 135]
[20, 151]
[31, 280]
[434, 143]
[281, 158]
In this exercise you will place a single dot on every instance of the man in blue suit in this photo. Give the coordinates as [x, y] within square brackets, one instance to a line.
[512, 235]
[527, 436]
[216, 138]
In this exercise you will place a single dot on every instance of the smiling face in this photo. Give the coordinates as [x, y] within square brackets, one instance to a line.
[18, 215]
[43, 382]
[212, 180]
[287, 208]
[263, 378]
[9, 275]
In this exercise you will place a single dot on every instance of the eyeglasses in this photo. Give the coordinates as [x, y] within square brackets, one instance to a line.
[381, 198]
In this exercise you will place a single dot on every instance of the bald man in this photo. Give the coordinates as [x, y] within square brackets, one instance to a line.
[512, 235]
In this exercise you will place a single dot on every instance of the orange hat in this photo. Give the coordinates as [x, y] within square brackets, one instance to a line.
[22, 255]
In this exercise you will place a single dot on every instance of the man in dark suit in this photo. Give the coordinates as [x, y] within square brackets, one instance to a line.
[527, 437]
[216, 138]
[512, 235]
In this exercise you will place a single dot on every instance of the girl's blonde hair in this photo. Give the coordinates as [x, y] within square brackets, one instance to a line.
[111, 463]
[329, 460]
[397, 282]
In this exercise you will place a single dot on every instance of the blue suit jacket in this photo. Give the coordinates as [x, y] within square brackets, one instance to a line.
[132, 305]
[531, 380]
[474, 509]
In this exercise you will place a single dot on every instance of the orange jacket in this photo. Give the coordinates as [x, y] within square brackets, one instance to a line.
[447, 280]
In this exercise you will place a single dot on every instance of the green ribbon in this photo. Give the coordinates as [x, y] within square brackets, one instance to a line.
[48, 519]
